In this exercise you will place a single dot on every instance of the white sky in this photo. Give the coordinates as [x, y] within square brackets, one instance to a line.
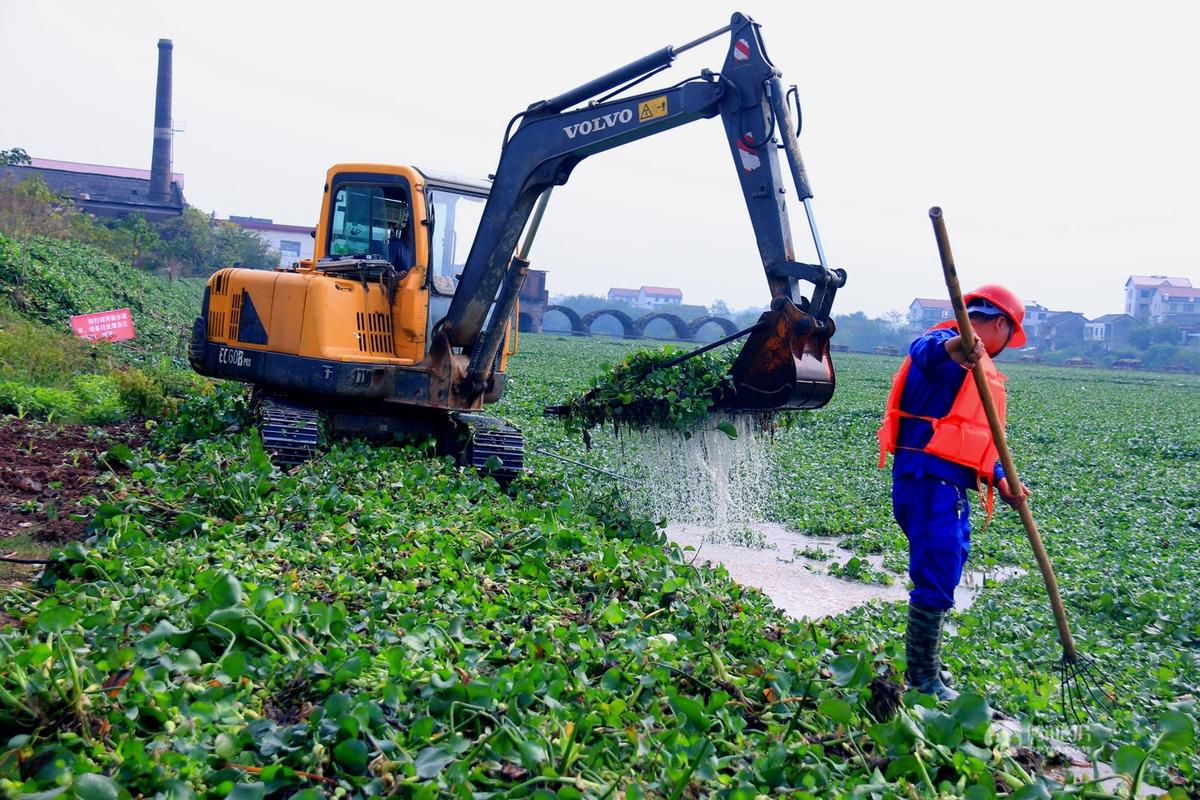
[1060, 137]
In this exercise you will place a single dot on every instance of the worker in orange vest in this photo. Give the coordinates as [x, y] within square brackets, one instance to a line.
[936, 427]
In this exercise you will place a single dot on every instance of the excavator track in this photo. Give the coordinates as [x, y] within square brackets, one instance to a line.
[489, 438]
[291, 433]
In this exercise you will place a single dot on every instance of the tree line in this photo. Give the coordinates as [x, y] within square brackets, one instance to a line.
[192, 244]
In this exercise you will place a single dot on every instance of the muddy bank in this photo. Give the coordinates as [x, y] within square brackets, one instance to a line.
[46, 470]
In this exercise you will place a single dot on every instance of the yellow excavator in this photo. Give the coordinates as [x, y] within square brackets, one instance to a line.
[403, 320]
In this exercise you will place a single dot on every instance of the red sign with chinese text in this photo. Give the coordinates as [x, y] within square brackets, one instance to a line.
[115, 326]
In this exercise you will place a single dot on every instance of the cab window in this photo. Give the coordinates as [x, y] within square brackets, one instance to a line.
[371, 221]
[455, 221]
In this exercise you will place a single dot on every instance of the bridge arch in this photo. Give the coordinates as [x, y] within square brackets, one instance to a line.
[682, 331]
[578, 327]
[620, 316]
[727, 327]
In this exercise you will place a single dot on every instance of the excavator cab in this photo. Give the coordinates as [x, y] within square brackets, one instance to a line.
[456, 215]
[371, 221]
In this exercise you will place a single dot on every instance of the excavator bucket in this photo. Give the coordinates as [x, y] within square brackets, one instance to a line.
[785, 363]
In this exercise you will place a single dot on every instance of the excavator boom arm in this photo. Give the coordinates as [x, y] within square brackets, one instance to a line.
[550, 141]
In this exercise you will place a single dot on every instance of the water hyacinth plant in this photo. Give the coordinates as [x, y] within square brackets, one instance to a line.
[380, 622]
[640, 392]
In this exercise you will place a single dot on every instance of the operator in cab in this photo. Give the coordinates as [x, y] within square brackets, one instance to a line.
[397, 220]
[936, 427]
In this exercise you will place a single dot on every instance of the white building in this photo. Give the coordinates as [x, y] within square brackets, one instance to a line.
[1175, 302]
[293, 242]
[1140, 289]
[623, 295]
[924, 312]
[647, 296]
[655, 296]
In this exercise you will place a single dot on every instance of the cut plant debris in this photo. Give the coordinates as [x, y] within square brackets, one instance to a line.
[640, 393]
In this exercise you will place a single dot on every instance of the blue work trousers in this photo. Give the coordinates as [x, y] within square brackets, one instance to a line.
[936, 518]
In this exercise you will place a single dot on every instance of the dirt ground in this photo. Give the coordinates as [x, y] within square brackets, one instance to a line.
[45, 472]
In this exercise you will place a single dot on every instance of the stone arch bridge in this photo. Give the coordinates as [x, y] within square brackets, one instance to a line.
[581, 324]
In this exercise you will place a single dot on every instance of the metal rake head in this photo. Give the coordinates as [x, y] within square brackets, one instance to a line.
[1080, 687]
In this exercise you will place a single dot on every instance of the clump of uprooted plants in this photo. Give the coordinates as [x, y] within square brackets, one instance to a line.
[641, 393]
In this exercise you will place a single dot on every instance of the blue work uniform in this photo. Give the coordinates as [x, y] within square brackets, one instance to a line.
[929, 494]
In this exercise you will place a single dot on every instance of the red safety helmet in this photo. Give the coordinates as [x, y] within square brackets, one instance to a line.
[1007, 302]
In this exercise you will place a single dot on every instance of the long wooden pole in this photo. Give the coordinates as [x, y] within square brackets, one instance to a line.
[989, 405]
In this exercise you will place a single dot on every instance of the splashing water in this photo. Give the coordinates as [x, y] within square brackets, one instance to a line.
[720, 483]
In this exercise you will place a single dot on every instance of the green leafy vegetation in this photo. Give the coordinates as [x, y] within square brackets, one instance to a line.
[380, 622]
[859, 569]
[811, 552]
[409, 627]
[103, 398]
[1106, 454]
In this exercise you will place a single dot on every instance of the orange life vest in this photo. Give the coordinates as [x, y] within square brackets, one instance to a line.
[963, 436]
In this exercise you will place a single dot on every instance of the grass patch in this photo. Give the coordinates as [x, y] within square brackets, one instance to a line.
[35, 353]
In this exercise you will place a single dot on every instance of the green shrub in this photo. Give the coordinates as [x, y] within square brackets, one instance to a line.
[142, 394]
[176, 382]
[99, 398]
[203, 414]
[91, 398]
[40, 401]
[158, 390]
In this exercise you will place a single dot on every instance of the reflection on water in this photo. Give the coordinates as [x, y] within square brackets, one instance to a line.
[799, 585]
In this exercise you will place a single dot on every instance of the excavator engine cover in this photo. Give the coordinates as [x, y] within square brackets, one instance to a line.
[784, 364]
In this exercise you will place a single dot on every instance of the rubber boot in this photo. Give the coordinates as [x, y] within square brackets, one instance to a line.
[923, 646]
[943, 673]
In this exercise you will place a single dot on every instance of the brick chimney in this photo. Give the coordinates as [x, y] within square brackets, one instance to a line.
[160, 159]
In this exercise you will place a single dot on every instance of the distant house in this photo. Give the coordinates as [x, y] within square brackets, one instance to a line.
[623, 295]
[1140, 290]
[1174, 302]
[924, 312]
[1036, 315]
[647, 296]
[1188, 326]
[653, 296]
[294, 242]
[1111, 330]
[1063, 329]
